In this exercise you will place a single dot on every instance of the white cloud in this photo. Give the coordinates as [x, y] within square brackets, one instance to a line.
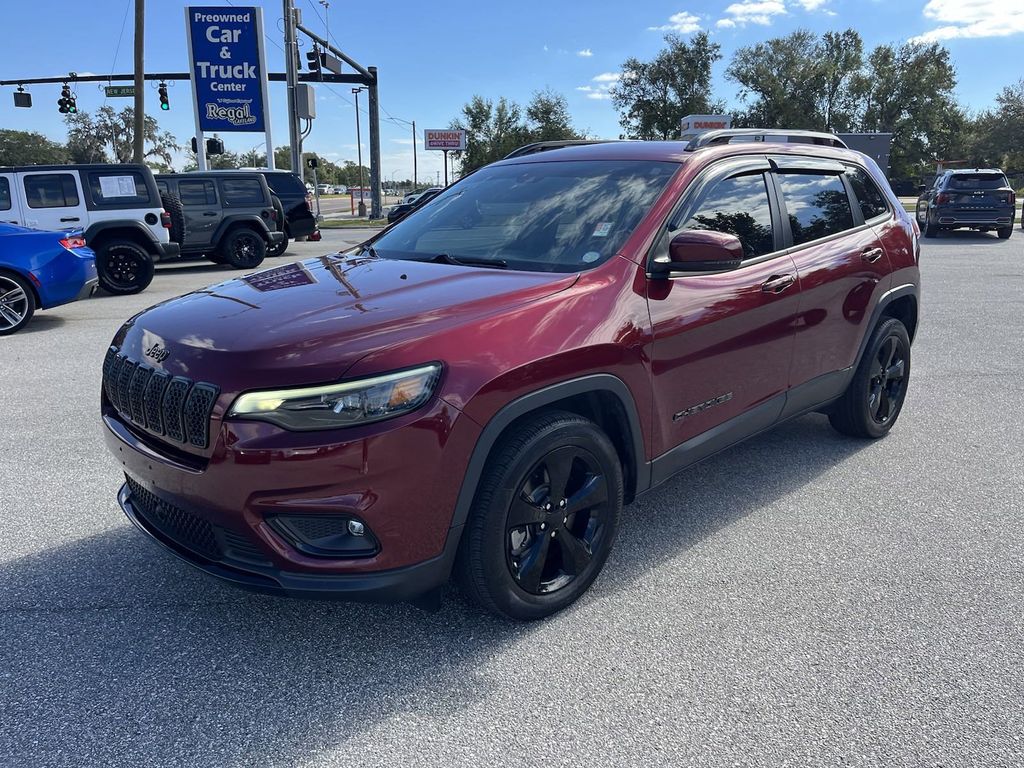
[601, 91]
[972, 18]
[755, 12]
[683, 22]
[599, 95]
[586, 53]
[811, 5]
[608, 77]
[407, 142]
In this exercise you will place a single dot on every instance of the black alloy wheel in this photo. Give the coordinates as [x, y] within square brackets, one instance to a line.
[885, 395]
[876, 393]
[244, 249]
[123, 267]
[544, 517]
[556, 521]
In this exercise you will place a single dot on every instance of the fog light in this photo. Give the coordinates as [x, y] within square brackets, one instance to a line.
[326, 535]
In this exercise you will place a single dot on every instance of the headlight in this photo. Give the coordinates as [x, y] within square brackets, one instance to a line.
[346, 404]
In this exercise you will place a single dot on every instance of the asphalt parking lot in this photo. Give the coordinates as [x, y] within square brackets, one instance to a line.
[805, 599]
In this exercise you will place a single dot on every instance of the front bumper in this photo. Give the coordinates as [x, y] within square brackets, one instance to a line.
[396, 585]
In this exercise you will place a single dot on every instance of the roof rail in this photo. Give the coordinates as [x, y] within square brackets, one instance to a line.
[779, 135]
[543, 146]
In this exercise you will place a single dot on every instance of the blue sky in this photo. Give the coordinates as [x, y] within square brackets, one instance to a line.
[432, 57]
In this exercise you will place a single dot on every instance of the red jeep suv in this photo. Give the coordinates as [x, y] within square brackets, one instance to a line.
[480, 388]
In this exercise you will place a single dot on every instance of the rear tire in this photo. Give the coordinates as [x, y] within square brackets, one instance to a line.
[1005, 232]
[243, 249]
[17, 303]
[874, 399]
[929, 229]
[278, 249]
[123, 267]
[544, 517]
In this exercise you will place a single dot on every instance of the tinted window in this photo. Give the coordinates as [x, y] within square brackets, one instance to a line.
[542, 216]
[197, 193]
[51, 190]
[119, 188]
[5, 195]
[869, 196]
[740, 207]
[817, 204]
[287, 183]
[242, 192]
[163, 187]
[977, 181]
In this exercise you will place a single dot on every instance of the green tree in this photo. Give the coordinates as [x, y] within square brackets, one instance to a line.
[653, 96]
[996, 136]
[89, 137]
[548, 119]
[908, 92]
[492, 131]
[30, 148]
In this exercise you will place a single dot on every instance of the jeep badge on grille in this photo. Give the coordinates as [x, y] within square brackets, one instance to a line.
[158, 353]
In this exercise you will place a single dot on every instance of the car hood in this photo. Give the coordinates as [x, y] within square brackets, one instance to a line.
[308, 322]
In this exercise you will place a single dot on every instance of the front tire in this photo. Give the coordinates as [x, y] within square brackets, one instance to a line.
[124, 267]
[874, 399]
[17, 303]
[244, 249]
[544, 518]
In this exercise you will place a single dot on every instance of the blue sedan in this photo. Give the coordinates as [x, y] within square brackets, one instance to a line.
[40, 270]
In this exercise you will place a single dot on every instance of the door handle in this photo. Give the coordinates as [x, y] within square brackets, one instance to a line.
[70, 218]
[209, 213]
[871, 255]
[777, 283]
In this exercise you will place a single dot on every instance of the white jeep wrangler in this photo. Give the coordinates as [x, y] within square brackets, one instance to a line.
[118, 207]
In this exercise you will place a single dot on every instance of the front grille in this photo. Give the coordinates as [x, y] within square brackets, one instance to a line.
[177, 524]
[177, 409]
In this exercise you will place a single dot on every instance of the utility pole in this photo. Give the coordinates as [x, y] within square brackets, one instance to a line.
[359, 154]
[415, 182]
[139, 139]
[375, 207]
[291, 56]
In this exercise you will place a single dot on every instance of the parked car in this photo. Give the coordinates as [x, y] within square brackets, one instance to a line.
[296, 205]
[324, 189]
[230, 216]
[118, 207]
[481, 387]
[980, 199]
[340, 189]
[396, 212]
[41, 270]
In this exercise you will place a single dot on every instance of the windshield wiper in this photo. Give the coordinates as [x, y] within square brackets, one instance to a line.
[447, 258]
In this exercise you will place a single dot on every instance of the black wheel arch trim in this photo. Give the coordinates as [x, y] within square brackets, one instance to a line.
[901, 291]
[534, 401]
[247, 220]
[153, 246]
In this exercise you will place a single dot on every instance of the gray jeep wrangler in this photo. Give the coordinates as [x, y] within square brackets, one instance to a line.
[230, 217]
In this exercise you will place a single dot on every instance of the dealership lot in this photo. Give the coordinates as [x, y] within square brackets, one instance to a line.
[802, 599]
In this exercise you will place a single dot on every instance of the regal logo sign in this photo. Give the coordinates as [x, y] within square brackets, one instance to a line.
[228, 71]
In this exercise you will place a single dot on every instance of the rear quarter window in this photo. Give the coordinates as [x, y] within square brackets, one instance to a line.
[869, 196]
[285, 183]
[242, 192]
[117, 188]
[5, 195]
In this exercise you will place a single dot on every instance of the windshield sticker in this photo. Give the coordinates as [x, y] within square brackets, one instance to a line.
[603, 229]
[590, 257]
[117, 186]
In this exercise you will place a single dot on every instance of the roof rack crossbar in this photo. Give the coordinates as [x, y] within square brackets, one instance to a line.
[543, 146]
[784, 135]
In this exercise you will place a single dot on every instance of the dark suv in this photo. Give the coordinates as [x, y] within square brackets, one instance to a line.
[229, 216]
[481, 387]
[296, 206]
[975, 198]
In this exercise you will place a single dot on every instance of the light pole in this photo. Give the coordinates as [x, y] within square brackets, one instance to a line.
[254, 155]
[359, 150]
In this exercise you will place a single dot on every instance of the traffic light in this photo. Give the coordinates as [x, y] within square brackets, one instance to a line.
[66, 103]
[313, 60]
[215, 146]
[162, 91]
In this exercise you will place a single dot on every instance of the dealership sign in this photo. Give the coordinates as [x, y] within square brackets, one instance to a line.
[229, 81]
[692, 125]
[446, 139]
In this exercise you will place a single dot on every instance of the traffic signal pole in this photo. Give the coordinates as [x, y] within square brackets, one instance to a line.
[291, 57]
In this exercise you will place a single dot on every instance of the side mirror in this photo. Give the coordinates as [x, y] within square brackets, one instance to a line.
[700, 250]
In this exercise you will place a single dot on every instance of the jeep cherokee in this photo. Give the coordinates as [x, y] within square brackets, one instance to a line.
[480, 388]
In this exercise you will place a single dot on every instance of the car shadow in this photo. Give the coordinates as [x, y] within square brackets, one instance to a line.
[966, 235]
[116, 650]
[41, 323]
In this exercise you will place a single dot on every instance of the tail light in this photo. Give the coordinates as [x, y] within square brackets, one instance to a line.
[315, 237]
[165, 219]
[269, 214]
[942, 198]
[1010, 197]
[73, 241]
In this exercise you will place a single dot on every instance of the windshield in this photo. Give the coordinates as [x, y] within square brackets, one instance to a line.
[548, 216]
